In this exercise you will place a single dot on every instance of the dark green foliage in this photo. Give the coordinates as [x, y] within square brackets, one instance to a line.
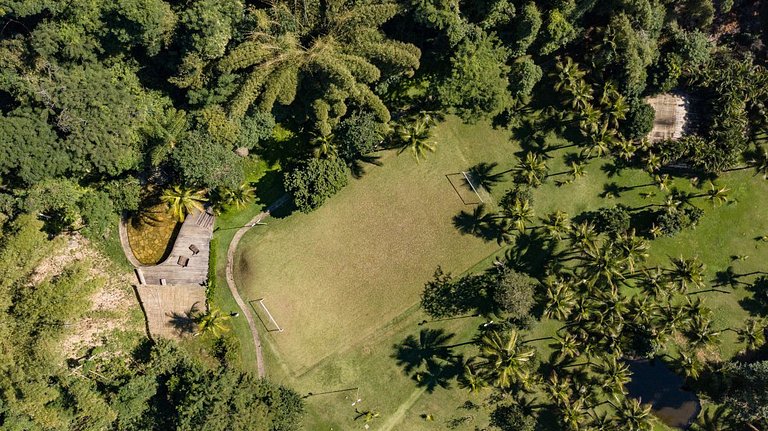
[255, 128]
[358, 135]
[694, 48]
[698, 14]
[527, 25]
[57, 201]
[477, 86]
[524, 75]
[510, 417]
[125, 193]
[227, 350]
[639, 121]
[445, 296]
[98, 213]
[514, 294]
[314, 181]
[29, 148]
[556, 33]
[614, 220]
[519, 193]
[748, 398]
[202, 163]
[209, 25]
[672, 222]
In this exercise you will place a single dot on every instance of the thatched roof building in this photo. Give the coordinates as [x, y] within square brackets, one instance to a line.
[671, 116]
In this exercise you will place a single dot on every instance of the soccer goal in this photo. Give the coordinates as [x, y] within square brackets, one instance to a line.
[261, 309]
[469, 189]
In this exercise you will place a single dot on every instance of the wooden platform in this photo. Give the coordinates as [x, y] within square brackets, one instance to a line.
[671, 116]
[170, 309]
[184, 266]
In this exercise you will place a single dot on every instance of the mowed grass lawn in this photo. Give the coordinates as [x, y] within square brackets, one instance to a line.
[345, 280]
[333, 277]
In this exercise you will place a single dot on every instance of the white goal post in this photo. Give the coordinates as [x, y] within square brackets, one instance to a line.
[469, 181]
[261, 301]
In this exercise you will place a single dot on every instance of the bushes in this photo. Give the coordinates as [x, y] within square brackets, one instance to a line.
[314, 181]
[255, 128]
[639, 121]
[614, 220]
[358, 135]
[672, 222]
[514, 294]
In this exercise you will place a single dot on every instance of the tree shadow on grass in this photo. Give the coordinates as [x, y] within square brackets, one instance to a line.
[269, 188]
[428, 359]
[358, 167]
[757, 305]
[483, 176]
[484, 225]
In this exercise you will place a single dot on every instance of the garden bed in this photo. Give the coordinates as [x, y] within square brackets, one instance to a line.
[151, 234]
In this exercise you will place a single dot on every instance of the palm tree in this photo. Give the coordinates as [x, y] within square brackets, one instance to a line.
[506, 359]
[662, 181]
[701, 332]
[590, 120]
[602, 265]
[584, 235]
[760, 162]
[717, 195]
[573, 414]
[686, 272]
[325, 147]
[600, 142]
[415, 135]
[614, 374]
[580, 94]
[166, 132]
[652, 162]
[520, 214]
[532, 169]
[633, 416]
[213, 322]
[617, 109]
[713, 419]
[753, 334]
[182, 201]
[560, 299]
[557, 225]
[567, 347]
[241, 196]
[566, 73]
[691, 366]
[632, 249]
[472, 380]
[577, 169]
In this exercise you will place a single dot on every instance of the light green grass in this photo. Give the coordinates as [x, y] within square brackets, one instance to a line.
[345, 280]
[330, 278]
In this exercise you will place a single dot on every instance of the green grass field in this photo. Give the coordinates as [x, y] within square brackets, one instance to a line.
[344, 281]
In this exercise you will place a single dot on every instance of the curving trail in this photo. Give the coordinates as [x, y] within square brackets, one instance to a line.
[231, 280]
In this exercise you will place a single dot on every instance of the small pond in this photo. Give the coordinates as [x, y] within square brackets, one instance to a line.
[655, 384]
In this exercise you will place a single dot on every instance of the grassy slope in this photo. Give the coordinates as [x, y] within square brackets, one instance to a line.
[282, 255]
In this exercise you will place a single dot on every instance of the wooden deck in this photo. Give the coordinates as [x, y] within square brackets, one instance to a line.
[183, 266]
[170, 310]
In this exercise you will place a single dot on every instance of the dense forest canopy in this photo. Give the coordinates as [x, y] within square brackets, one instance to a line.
[106, 105]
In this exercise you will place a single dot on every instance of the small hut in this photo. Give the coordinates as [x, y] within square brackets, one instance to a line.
[671, 117]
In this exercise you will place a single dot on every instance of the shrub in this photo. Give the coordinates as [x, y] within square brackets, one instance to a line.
[358, 135]
[509, 417]
[514, 294]
[314, 181]
[525, 74]
[613, 220]
[201, 163]
[97, 211]
[672, 222]
[255, 128]
[639, 121]
[125, 193]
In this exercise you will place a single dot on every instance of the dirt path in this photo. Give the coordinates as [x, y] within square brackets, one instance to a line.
[231, 280]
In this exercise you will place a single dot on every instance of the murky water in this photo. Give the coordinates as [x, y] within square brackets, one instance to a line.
[655, 384]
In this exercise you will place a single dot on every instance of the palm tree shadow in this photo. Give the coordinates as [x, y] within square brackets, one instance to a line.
[184, 323]
[357, 167]
[757, 305]
[414, 352]
[483, 176]
[482, 224]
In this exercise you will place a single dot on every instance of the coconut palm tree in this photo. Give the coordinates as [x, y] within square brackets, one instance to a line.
[241, 196]
[213, 322]
[590, 120]
[686, 273]
[600, 142]
[580, 95]
[182, 201]
[652, 162]
[752, 334]
[717, 195]
[557, 225]
[560, 299]
[617, 109]
[701, 333]
[614, 375]
[566, 73]
[583, 235]
[602, 266]
[325, 147]
[532, 169]
[567, 347]
[471, 379]
[558, 389]
[166, 131]
[713, 419]
[573, 415]
[520, 214]
[507, 360]
[662, 181]
[689, 364]
[633, 416]
[416, 135]
[631, 248]
[576, 169]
